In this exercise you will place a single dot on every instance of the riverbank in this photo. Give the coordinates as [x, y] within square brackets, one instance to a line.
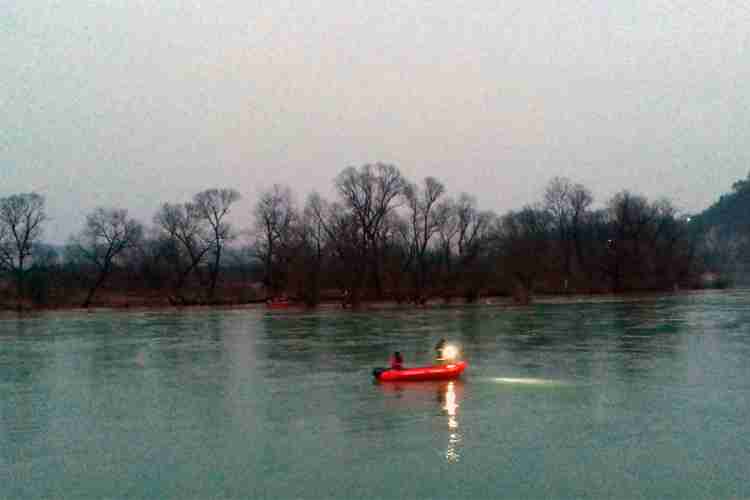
[157, 302]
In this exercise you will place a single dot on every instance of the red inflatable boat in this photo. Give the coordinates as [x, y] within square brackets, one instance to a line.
[437, 372]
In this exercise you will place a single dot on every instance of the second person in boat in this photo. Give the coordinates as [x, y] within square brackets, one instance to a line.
[439, 358]
[397, 362]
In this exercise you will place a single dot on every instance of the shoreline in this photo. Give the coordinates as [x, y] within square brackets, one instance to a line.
[371, 305]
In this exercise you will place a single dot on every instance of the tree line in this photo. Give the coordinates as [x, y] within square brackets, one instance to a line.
[383, 237]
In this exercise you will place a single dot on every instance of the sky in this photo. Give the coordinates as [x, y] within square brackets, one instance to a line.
[134, 103]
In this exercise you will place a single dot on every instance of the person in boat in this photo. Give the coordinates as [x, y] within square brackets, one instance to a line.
[397, 362]
[439, 351]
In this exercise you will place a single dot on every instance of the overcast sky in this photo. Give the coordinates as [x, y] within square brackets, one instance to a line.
[133, 103]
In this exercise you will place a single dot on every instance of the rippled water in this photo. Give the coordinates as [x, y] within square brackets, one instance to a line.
[639, 398]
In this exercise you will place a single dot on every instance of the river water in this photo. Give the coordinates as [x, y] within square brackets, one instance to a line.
[645, 397]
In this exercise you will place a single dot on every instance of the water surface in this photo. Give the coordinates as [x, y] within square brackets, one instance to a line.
[639, 398]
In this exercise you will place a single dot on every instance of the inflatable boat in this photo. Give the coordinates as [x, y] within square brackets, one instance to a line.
[436, 372]
[278, 304]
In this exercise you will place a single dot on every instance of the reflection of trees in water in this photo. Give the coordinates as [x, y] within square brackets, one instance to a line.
[544, 338]
[325, 340]
[645, 332]
[187, 342]
[538, 340]
[530, 337]
[297, 338]
[193, 365]
[173, 365]
[108, 377]
[113, 344]
[471, 326]
[24, 351]
[354, 341]
[25, 362]
[485, 332]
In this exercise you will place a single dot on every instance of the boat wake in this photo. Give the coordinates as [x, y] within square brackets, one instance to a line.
[538, 382]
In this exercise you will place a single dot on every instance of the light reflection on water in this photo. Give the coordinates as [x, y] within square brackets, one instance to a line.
[539, 382]
[454, 437]
[418, 396]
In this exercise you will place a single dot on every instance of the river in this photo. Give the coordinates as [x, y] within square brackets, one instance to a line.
[643, 397]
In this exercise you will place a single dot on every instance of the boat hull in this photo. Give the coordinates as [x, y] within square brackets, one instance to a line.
[440, 372]
[278, 305]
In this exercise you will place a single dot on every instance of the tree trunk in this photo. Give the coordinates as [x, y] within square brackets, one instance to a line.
[93, 289]
[269, 266]
[19, 286]
[215, 274]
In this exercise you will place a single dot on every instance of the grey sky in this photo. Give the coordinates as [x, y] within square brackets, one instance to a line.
[132, 103]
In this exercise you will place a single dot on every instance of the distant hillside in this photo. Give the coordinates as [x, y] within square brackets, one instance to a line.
[722, 234]
[731, 214]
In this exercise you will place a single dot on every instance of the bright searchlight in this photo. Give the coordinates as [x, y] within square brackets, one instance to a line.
[450, 352]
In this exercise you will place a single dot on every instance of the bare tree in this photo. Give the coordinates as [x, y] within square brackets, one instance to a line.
[567, 204]
[557, 203]
[368, 195]
[339, 234]
[313, 248]
[154, 261]
[398, 255]
[473, 235]
[671, 251]
[628, 216]
[21, 219]
[463, 233]
[107, 234]
[524, 245]
[472, 226]
[424, 224]
[187, 231]
[447, 215]
[275, 220]
[580, 200]
[213, 205]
